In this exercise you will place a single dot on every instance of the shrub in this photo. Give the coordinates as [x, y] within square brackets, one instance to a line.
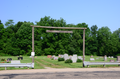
[79, 60]
[68, 61]
[3, 59]
[60, 59]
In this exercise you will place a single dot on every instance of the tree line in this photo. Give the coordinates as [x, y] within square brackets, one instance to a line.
[16, 39]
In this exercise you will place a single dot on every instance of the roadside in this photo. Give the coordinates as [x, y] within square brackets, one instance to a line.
[51, 70]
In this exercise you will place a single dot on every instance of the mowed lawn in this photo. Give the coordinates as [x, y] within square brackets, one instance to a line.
[42, 62]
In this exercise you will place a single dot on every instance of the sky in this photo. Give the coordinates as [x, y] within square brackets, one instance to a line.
[92, 12]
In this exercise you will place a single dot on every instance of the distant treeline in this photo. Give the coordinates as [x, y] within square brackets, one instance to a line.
[16, 39]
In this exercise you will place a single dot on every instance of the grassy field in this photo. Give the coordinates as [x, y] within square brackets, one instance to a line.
[42, 62]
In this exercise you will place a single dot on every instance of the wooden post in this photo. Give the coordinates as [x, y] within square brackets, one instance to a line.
[32, 43]
[59, 32]
[83, 47]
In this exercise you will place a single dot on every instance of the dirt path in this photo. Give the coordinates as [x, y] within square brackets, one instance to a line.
[53, 65]
[43, 65]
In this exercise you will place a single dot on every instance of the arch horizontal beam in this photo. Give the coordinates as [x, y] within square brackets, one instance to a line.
[58, 31]
[59, 27]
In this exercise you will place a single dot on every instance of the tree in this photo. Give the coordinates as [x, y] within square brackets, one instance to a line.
[24, 36]
[93, 42]
[9, 23]
[103, 37]
[1, 26]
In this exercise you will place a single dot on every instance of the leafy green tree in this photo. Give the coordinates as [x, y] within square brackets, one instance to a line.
[9, 23]
[103, 37]
[24, 37]
[93, 42]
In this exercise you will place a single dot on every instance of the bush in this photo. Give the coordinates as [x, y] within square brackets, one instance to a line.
[60, 59]
[68, 61]
[3, 59]
[79, 60]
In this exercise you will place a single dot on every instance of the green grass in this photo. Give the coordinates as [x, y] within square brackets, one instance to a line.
[42, 61]
[58, 64]
[87, 58]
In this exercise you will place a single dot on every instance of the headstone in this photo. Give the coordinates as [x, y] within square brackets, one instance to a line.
[105, 58]
[66, 56]
[112, 60]
[15, 61]
[80, 57]
[75, 55]
[49, 56]
[111, 56]
[61, 56]
[100, 57]
[55, 58]
[74, 58]
[97, 58]
[20, 58]
[91, 55]
[70, 57]
[108, 56]
[92, 59]
[118, 58]
[9, 59]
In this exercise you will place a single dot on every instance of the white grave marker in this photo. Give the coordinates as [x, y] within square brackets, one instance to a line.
[74, 58]
[80, 57]
[15, 61]
[92, 59]
[66, 56]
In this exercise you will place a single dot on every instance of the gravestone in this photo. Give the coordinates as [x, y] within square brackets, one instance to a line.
[15, 61]
[61, 56]
[92, 59]
[80, 57]
[66, 56]
[91, 55]
[108, 56]
[74, 58]
[112, 60]
[49, 56]
[55, 58]
[105, 58]
[52, 56]
[75, 55]
[70, 57]
[118, 58]
[97, 58]
[20, 58]
[111, 56]
[9, 59]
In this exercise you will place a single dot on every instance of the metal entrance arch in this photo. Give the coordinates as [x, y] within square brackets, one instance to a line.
[54, 31]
